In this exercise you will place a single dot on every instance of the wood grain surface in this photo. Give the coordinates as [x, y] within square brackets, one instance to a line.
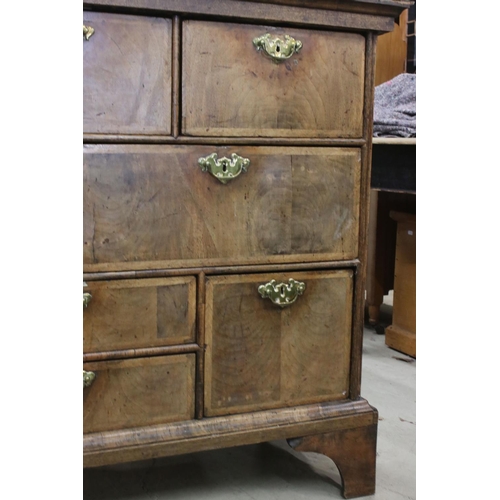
[152, 206]
[391, 51]
[402, 333]
[354, 452]
[205, 362]
[141, 352]
[376, 15]
[138, 392]
[127, 74]
[360, 278]
[156, 273]
[221, 141]
[102, 448]
[405, 275]
[262, 356]
[131, 314]
[231, 89]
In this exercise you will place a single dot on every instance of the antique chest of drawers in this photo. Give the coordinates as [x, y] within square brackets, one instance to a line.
[226, 174]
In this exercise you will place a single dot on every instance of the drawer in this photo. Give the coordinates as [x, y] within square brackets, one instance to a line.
[261, 355]
[232, 89]
[139, 392]
[127, 74]
[131, 314]
[149, 205]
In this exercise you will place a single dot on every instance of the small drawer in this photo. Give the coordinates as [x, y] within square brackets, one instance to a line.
[263, 354]
[127, 74]
[289, 204]
[132, 314]
[232, 89]
[138, 392]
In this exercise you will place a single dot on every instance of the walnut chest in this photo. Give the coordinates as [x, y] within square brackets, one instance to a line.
[226, 176]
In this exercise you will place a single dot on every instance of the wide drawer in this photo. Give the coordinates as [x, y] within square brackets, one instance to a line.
[261, 355]
[148, 206]
[139, 392]
[131, 314]
[229, 88]
[127, 74]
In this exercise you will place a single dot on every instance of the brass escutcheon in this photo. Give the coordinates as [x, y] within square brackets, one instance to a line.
[88, 378]
[282, 294]
[224, 169]
[278, 48]
[88, 31]
[86, 299]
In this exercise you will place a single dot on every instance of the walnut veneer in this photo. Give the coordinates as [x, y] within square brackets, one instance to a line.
[226, 313]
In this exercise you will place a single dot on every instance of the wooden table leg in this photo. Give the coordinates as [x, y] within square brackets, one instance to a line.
[374, 286]
[401, 334]
[382, 246]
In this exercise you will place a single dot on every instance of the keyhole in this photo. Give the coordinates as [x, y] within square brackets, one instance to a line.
[277, 48]
[224, 167]
[282, 290]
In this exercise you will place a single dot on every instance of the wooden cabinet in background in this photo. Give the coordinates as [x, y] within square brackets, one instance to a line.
[392, 51]
[226, 170]
[402, 333]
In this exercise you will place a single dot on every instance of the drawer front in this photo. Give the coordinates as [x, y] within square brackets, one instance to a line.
[148, 206]
[261, 355]
[127, 74]
[139, 392]
[131, 314]
[231, 89]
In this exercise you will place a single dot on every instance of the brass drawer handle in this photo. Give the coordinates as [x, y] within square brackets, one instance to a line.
[282, 294]
[88, 31]
[88, 378]
[224, 169]
[86, 299]
[278, 48]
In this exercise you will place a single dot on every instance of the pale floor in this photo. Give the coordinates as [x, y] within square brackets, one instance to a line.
[274, 471]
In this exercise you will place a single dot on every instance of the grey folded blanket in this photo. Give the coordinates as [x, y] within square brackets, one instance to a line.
[395, 111]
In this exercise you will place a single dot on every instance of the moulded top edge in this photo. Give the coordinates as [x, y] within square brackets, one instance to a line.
[371, 15]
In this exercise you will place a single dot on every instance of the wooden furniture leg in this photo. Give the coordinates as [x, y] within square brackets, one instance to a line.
[374, 286]
[401, 334]
[382, 246]
[353, 451]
